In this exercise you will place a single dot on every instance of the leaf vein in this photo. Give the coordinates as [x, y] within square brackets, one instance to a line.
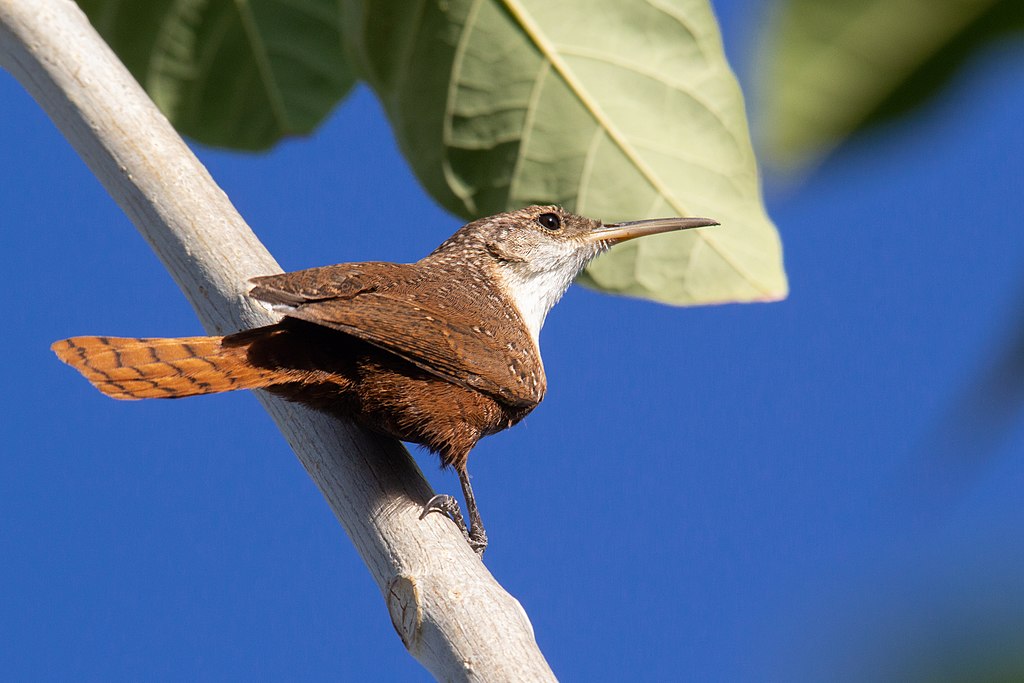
[548, 49]
[259, 50]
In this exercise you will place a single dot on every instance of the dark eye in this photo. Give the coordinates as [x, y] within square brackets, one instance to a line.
[550, 221]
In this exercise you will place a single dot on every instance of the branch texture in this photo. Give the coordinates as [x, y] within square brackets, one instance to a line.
[448, 609]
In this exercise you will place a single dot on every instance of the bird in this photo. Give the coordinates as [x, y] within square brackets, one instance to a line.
[440, 352]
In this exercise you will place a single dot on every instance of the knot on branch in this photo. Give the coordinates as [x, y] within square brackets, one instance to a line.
[406, 610]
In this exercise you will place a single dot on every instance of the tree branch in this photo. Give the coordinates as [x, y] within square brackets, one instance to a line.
[450, 612]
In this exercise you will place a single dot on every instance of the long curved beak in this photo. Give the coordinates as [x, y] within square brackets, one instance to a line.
[614, 233]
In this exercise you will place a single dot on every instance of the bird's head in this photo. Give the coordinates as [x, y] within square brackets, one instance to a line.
[534, 254]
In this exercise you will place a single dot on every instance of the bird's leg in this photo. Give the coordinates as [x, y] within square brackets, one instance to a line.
[477, 536]
[446, 505]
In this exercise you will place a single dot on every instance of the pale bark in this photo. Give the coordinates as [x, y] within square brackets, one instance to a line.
[450, 612]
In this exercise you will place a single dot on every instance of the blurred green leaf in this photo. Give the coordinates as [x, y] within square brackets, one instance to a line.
[834, 68]
[614, 109]
[232, 74]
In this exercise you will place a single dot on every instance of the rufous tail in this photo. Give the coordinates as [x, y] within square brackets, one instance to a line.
[162, 368]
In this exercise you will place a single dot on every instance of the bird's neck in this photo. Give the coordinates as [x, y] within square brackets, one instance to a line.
[533, 293]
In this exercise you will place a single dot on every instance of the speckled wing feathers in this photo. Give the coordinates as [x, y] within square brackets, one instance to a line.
[342, 281]
[416, 315]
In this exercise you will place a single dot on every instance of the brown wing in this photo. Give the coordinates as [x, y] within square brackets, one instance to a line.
[342, 281]
[416, 316]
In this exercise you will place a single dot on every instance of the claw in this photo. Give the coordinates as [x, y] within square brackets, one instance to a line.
[442, 503]
[449, 507]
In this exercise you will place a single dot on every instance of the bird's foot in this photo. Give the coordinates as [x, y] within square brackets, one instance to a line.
[449, 507]
[477, 538]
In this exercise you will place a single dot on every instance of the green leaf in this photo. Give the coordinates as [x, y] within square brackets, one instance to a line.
[619, 110]
[231, 73]
[833, 69]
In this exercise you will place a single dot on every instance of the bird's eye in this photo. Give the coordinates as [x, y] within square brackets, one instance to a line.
[550, 221]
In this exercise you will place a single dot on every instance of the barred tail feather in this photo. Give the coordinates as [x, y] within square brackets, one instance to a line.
[162, 368]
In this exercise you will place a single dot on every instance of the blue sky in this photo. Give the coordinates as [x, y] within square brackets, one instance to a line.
[745, 492]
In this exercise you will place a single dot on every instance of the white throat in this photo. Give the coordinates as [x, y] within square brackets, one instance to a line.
[535, 292]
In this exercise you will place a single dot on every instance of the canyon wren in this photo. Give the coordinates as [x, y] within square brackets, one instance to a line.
[441, 352]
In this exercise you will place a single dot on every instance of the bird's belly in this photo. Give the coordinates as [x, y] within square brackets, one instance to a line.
[416, 406]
